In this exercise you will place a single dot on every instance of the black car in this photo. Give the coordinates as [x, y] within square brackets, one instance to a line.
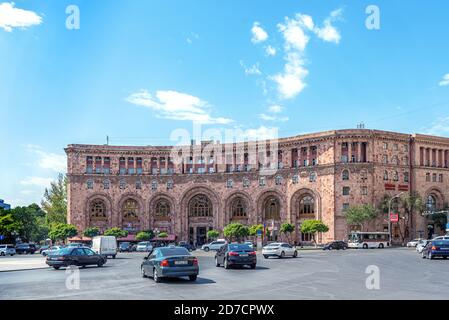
[436, 248]
[187, 245]
[170, 262]
[336, 245]
[25, 248]
[124, 247]
[75, 256]
[235, 254]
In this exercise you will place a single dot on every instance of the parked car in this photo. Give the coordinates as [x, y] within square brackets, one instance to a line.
[335, 245]
[144, 246]
[124, 247]
[51, 250]
[436, 248]
[171, 262]
[441, 238]
[413, 243]
[235, 254]
[186, 245]
[279, 249]
[214, 245]
[105, 245]
[133, 248]
[75, 256]
[7, 249]
[42, 248]
[25, 248]
[421, 245]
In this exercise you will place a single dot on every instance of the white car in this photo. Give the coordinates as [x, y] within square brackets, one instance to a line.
[214, 245]
[280, 250]
[421, 245]
[50, 250]
[441, 238]
[7, 249]
[414, 242]
[144, 246]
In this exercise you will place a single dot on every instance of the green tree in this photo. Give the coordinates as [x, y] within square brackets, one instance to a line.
[212, 234]
[287, 229]
[116, 232]
[412, 204]
[91, 232]
[162, 235]
[55, 201]
[144, 236]
[62, 231]
[29, 222]
[236, 231]
[360, 215]
[313, 227]
[253, 229]
[8, 225]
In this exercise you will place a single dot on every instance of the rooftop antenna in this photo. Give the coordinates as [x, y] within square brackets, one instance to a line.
[361, 125]
[107, 140]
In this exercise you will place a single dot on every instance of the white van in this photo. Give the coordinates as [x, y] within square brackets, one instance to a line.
[105, 245]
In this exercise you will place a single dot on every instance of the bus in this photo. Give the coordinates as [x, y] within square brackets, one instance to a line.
[367, 240]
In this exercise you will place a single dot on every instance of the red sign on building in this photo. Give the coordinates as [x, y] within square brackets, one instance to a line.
[394, 217]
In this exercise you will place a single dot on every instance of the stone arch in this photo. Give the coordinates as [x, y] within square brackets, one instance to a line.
[295, 209]
[101, 224]
[162, 223]
[193, 229]
[230, 201]
[268, 202]
[132, 225]
[261, 201]
[438, 197]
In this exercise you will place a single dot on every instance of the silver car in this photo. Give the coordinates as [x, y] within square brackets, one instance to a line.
[214, 245]
[280, 250]
[7, 249]
[51, 250]
[144, 246]
[421, 245]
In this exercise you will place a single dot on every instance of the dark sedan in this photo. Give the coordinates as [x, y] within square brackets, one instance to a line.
[336, 245]
[436, 248]
[187, 245]
[170, 262]
[25, 248]
[124, 247]
[236, 255]
[75, 256]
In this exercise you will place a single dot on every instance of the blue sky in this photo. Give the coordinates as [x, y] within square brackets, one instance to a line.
[137, 70]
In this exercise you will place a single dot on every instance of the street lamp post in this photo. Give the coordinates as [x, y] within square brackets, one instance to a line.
[389, 213]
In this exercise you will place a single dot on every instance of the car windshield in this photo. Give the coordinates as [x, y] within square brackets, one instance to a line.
[174, 252]
[273, 245]
[239, 247]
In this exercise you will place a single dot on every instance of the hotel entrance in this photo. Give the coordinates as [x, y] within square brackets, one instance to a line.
[198, 235]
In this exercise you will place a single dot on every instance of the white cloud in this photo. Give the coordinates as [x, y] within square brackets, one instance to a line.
[261, 133]
[193, 36]
[294, 35]
[439, 127]
[259, 34]
[37, 181]
[270, 51]
[267, 117]
[11, 17]
[48, 160]
[176, 106]
[275, 108]
[252, 70]
[292, 81]
[444, 81]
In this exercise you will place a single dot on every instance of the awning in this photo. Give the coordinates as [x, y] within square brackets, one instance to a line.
[79, 239]
[129, 237]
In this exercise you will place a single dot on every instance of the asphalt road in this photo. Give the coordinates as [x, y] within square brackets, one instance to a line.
[403, 274]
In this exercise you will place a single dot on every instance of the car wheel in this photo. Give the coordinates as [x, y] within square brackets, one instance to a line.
[253, 266]
[206, 249]
[330, 247]
[156, 276]
[142, 272]
[295, 254]
[217, 264]
[2, 253]
[193, 278]
[226, 264]
[265, 256]
[56, 267]
[113, 257]
[381, 246]
[344, 248]
[444, 257]
[365, 246]
[44, 254]
[282, 255]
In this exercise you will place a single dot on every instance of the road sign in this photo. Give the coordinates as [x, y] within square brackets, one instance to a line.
[259, 232]
[447, 226]
[2, 237]
[394, 217]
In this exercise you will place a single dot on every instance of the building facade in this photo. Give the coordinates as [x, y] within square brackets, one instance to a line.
[189, 190]
[4, 205]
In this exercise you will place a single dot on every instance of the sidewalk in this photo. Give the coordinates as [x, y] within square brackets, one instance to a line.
[18, 263]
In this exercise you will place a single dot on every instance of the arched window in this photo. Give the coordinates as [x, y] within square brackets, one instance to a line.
[345, 175]
[385, 175]
[90, 184]
[130, 210]
[312, 177]
[98, 210]
[395, 176]
[106, 184]
[229, 183]
[238, 208]
[200, 206]
[295, 179]
[363, 175]
[307, 205]
[162, 208]
[246, 183]
[431, 203]
[272, 209]
[169, 184]
[122, 184]
[278, 180]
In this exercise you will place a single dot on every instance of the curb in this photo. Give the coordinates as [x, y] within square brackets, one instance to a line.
[27, 269]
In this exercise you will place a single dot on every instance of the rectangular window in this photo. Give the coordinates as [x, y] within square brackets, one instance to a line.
[346, 191]
[131, 166]
[89, 164]
[406, 177]
[122, 165]
[106, 165]
[98, 165]
[345, 207]
[385, 146]
[344, 159]
[440, 178]
[139, 166]
[395, 147]
[434, 177]
[364, 191]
